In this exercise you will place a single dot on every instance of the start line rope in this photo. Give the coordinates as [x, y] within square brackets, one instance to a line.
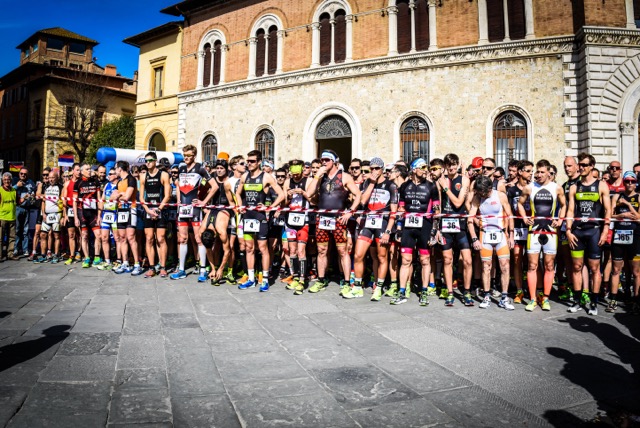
[264, 208]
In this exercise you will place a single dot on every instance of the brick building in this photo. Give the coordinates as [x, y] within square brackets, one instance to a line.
[46, 97]
[403, 78]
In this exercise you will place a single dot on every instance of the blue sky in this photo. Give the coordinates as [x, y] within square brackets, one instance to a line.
[107, 21]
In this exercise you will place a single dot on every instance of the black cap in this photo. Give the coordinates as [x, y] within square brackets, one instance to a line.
[164, 162]
[307, 164]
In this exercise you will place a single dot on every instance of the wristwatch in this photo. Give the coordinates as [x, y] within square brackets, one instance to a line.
[388, 232]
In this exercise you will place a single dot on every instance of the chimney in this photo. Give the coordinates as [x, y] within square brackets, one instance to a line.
[110, 70]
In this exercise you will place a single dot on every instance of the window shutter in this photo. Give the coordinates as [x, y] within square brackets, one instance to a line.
[207, 65]
[260, 48]
[325, 40]
[422, 25]
[217, 58]
[517, 24]
[404, 26]
[495, 18]
[341, 37]
[273, 50]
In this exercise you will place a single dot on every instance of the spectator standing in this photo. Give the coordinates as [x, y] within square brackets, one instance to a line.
[25, 200]
[7, 216]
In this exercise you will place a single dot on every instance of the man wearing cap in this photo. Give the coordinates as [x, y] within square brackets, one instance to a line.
[267, 167]
[379, 197]
[334, 188]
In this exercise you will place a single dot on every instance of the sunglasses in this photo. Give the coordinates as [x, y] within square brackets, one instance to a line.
[281, 176]
[242, 163]
[112, 173]
[150, 160]
[435, 168]
[488, 168]
[552, 173]
[630, 181]
[528, 171]
[583, 165]
[366, 171]
[354, 168]
[326, 160]
[175, 172]
[252, 161]
[615, 168]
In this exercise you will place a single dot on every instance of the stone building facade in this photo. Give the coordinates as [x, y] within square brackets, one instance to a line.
[526, 79]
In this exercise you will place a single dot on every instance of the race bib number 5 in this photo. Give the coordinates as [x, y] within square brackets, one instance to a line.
[374, 221]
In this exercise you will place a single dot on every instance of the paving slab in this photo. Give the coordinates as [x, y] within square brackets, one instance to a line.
[140, 406]
[141, 352]
[80, 368]
[192, 372]
[204, 411]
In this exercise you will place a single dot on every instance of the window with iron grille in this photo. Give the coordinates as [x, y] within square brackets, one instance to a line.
[209, 148]
[509, 138]
[414, 139]
[265, 142]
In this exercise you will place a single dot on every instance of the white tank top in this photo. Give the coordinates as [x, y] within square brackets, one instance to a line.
[492, 206]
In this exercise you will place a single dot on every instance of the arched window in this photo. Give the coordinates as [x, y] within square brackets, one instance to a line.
[511, 26]
[414, 139]
[509, 138]
[266, 47]
[157, 142]
[265, 142]
[211, 59]
[332, 28]
[209, 148]
[405, 15]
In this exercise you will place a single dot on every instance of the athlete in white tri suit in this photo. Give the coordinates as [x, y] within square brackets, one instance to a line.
[52, 214]
[544, 197]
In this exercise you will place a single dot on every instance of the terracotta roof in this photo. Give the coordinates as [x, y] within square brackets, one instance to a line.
[62, 33]
[168, 28]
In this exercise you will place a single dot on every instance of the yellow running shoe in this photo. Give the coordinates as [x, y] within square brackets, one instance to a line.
[293, 284]
[546, 306]
[377, 294]
[531, 306]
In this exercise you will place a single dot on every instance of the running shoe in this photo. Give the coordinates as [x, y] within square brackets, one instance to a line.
[468, 299]
[431, 291]
[505, 303]
[299, 289]
[444, 293]
[203, 277]
[288, 280]
[78, 258]
[393, 290]
[354, 293]
[137, 271]
[407, 292]
[575, 307]
[86, 263]
[163, 273]
[41, 259]
[519, 296]
[96, 261]
[377, 294]
[399, 300]
[612, 306]
[424, 298]
[55, 260]
[345, 287]
[105, 266]
[265, 286]
[247, 285]
[540, 297]
[178, 275]
[318, 286]
[531, 306]
[120, 269]
[486, 302]
[450, 300]
[68, 261]
[495, 293]
[31, 257]
[291, 285]
[593, 309]
[565, 294]
[243, 278]
[229, 279]
[546, 306]
[150, 273]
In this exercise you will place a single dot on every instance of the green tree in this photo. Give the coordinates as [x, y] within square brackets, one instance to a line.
[118, 133]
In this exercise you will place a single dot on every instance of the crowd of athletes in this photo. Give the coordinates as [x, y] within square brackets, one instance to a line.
[476, 234]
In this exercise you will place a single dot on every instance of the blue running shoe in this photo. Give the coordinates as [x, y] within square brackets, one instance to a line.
[128, 269]
[137, 271]
[247, 285]
[178, 275]
[120, 269]
[264, 286]
[203, 276]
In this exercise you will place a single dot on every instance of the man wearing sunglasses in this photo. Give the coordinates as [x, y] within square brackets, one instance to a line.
[334, 189]
[155, 193]
[25, 194]
[355, 170]
[238, 167]
[252, 191]
[590, 204]
[190, 180]
[616, 187]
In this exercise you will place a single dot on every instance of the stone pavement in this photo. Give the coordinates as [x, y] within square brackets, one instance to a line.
[84, 348]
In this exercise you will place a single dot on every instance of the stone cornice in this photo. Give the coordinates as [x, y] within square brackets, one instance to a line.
[609, 36]
[428, 59]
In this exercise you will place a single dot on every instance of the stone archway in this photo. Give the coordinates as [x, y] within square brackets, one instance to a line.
[310, 141]
[157, 142]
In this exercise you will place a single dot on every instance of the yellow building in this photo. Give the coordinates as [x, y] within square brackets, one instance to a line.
[158, 86]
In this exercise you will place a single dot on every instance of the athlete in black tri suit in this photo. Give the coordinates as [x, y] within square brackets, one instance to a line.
[86, 213]
[252, 191]
[590, 204]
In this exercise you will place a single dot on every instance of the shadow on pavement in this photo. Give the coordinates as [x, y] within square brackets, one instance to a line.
[614, 388]
[4, 314]
[17, 353]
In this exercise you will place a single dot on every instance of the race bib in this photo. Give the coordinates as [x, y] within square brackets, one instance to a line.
[123, 216]
[52, 218]
[251, 225]
[327, 223]
[185, 211]
[520, 233]
[109, 218]
[451, 225]
[149, 216]
[492, 238]
[373, 221]
[69, 212]
[413, 220]
[296, 219]
[623, 237]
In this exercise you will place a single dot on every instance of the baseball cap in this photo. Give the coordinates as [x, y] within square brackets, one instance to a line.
[476, 163]
[629, 175]
[223, 156]
[376, 161]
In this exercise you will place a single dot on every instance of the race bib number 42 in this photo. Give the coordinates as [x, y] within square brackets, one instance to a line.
[327, 223]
